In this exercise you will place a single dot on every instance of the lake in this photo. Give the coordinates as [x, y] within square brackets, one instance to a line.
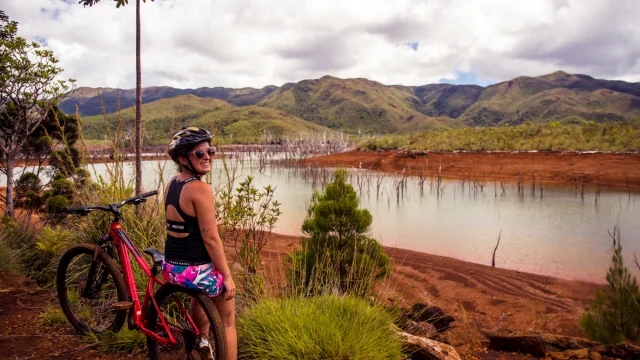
[559, 233]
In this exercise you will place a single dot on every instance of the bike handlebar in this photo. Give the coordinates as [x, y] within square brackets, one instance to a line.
[85, 210]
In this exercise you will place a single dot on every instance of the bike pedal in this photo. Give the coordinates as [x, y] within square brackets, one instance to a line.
[121, 305]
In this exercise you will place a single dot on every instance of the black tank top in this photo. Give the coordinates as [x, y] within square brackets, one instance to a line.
[189, 250]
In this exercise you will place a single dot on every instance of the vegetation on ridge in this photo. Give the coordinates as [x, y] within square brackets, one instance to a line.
[584, 136]
[250, 123]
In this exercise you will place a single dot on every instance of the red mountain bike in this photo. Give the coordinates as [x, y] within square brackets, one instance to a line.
[95, 298]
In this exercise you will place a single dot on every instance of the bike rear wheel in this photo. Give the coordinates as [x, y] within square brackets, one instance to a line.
[87, 303]
[167, 297]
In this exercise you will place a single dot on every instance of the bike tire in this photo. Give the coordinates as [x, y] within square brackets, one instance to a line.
[216, 334]
[119, 315]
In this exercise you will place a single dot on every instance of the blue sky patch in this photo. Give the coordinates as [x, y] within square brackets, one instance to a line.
[413, 44]
[466, 78]
[55, 14]
[40, 40]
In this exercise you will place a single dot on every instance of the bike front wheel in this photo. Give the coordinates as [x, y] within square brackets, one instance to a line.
[90, 292]
[171, 298]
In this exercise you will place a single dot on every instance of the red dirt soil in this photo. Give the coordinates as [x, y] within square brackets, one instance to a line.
[552, 168]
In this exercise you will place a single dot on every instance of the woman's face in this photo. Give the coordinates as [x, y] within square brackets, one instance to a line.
[200, 165]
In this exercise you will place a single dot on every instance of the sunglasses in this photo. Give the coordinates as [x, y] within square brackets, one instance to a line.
[199, 154]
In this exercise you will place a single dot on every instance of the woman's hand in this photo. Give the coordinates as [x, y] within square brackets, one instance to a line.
[231, 288]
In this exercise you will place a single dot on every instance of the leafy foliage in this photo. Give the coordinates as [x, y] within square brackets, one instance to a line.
[247, 218]
[28, 92]
[326, 327]
[615, 313]
[338, 257]
[28, 189]
[119, 3]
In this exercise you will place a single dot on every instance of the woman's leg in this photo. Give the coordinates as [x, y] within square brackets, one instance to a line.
[199, 317]
[227, 311]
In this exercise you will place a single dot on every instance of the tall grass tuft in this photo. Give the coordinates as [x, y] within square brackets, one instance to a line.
[53, 316]
[8, 258]
[125, 340]
[323, 327]
[35, 251]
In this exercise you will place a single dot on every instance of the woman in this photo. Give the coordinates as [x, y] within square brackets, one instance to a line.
[194, 255]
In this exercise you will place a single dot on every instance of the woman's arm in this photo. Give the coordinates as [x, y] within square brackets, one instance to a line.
[204, 203]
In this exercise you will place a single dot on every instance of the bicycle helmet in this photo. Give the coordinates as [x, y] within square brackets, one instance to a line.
[186, 139]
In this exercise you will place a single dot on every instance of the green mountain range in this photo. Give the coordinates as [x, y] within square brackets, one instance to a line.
[237, 124]
[369, 107]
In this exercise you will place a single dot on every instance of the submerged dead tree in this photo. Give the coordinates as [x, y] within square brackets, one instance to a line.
[493, 260]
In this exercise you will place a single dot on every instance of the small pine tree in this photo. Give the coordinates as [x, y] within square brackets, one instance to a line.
[614, 315]
[338, 257]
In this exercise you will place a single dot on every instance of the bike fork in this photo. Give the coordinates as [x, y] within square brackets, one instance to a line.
[92, 286]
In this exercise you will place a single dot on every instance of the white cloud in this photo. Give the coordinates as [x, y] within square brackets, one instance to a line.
[237, 43]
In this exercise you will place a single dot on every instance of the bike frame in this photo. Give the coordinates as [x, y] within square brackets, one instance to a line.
[124, 245]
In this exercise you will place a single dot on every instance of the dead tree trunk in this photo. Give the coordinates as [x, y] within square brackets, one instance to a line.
[493, 260]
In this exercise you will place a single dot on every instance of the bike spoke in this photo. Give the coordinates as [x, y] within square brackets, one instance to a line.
[95, 310]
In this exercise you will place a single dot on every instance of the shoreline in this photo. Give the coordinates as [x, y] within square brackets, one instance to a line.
[603, 171]
[591, 170]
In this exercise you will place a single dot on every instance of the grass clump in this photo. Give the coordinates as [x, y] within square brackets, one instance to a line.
[323, 327]
[53, 315]
[124, 340]
[8, 258]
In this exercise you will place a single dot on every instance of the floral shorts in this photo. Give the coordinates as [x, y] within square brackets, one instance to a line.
[204, 278]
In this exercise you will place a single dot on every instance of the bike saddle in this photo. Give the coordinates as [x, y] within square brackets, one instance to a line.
[157, 256]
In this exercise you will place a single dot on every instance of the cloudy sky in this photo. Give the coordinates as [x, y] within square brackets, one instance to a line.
[238, 43]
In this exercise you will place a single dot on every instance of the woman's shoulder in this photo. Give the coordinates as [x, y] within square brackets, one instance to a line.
[198, 186]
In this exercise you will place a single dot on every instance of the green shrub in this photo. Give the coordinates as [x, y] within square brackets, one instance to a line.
[325, 327]
[338, 257]
[614, 315]
[56, 204]
[62, 187]
[247, 217]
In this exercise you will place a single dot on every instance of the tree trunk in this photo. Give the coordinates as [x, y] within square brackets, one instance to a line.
[10, 165]
[138, 104]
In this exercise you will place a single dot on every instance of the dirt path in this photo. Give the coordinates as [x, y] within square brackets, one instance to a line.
[612, 170]
[24, 334]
